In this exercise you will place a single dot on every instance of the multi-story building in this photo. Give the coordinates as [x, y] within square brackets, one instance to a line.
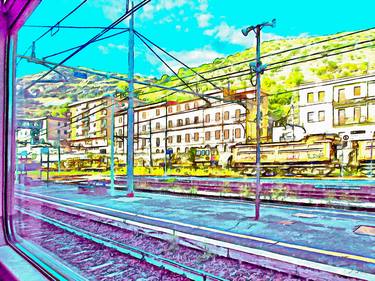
[90, 125]
[179, 126]
[345, 107]
[33, 133]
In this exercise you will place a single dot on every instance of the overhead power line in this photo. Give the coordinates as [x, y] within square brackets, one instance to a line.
[285, 51]
[244, 72]
[101, 33]
[79, 46]
[72, 27]
[52, 27]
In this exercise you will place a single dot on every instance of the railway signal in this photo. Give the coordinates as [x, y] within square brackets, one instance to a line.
[258, 68]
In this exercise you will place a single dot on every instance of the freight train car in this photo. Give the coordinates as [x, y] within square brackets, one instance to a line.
[313, 155]
[365, 157]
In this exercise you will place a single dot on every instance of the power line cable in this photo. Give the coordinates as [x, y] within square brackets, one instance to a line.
[52, 27]
[76, 47]
[285, 51]
[101, 33]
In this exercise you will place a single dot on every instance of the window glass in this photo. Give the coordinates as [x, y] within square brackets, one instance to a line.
[91, 197]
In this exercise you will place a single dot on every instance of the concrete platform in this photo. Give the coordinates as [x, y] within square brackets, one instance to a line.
[324, 236]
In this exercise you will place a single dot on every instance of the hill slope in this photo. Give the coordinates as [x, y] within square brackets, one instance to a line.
[53, 98]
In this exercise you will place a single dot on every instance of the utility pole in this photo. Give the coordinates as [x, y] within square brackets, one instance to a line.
[166, 139]
[58, 151]
[258, 68]
[130, 128]
[112, 186]
[150, 140]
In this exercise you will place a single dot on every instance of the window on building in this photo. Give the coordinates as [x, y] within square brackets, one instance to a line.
[170, 139]
[196, 136]
[170, 109]
[217, 134]
[186, 149]
[144, 127]
[158, 142]
[170, 124]
[207, 118]
[217, 116]
[310, 97]
[180, 122]
[342, 96]
[321, 96]
[357, 91]
[187, 137]
[208, 136]
[226, 134]
[144, 114]
[237, 133]
[143, 143]
[238, 114]
[187, 106]
[321, 115]
[157, 112]
[196, 104]
[157, 125]
[310, 117]
[226, 115]
[120, 132]
[357, 114]
[196, 120]
[120, 144]
[178, 108]
[187, 121]
[179, 138]
[341, 115]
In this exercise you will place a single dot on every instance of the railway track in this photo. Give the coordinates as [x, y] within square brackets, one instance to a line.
[161, 259]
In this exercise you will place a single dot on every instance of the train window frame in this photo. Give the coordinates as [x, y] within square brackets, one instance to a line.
[13, 15]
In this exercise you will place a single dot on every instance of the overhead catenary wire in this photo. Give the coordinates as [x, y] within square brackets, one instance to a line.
[79, 46]
[285, 51]
[166, 64]
[176, 59]
[101, 33]
[240, 73]
[53, 26]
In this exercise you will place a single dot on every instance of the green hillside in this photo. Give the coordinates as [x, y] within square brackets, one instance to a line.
[53, 98]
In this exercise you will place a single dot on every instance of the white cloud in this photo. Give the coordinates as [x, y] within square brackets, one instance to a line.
[105, 49]
[233, 35]
[166, 5]
[192, 58]
[112, 9]
[203, 19]
[178, 27]
[203, 5]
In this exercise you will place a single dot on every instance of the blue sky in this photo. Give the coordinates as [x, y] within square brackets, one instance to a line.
[196, 31]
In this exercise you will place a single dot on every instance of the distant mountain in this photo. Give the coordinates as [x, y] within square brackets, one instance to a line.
[52, 98]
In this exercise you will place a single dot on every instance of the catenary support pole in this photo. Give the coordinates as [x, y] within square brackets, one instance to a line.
[112, 186]
[130, 128]
[258, 68]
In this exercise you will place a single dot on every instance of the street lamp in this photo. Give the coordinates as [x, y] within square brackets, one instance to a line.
[258, 68]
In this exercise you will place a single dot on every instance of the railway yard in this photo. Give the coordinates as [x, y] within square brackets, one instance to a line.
[191, 237]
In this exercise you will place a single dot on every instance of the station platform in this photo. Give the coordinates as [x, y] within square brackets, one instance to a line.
[339, 238]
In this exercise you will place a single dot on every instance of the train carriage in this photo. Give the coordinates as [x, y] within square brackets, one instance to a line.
[313, 155]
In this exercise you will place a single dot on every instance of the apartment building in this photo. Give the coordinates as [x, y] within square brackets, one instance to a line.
[343, 106]
[180, 126]
[90, 125]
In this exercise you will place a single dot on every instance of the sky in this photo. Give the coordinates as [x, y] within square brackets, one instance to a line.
[195, 31]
